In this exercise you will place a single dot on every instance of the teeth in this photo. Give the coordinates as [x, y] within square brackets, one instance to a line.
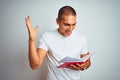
[68, 31]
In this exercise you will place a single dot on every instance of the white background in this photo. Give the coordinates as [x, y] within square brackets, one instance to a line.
[99, 20]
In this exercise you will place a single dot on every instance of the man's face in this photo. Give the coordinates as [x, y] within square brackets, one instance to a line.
[66, 25]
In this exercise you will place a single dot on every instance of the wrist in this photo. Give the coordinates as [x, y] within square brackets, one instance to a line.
[31, 40]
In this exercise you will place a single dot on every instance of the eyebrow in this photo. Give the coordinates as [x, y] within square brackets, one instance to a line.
[70, 24]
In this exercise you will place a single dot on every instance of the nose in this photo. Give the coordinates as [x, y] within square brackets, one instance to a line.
[70, 28]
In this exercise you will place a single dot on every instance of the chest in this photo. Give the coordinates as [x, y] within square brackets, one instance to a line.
[61, 48]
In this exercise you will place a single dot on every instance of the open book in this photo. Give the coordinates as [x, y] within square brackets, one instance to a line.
[65, 62]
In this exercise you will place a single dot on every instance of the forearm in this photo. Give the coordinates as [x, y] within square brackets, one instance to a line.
[33, 55]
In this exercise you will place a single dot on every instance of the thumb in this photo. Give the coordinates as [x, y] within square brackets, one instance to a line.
[36, 28]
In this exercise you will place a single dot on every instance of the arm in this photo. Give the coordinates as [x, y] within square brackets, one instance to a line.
[36, 56]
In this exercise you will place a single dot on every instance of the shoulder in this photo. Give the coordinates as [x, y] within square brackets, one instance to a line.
[49, 34]
[79, 35]
[52, 32]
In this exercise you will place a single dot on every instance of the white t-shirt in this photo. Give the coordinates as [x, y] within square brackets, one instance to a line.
[58, 47]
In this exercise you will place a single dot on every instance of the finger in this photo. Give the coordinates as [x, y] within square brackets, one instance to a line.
[81, 66]
[26, 20]
[28, 23]
[74, 67]
[77, 64]
[71, 68]
[36, 28]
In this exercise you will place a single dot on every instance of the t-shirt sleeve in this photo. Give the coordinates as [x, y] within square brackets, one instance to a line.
[84, 48]
[42, 42]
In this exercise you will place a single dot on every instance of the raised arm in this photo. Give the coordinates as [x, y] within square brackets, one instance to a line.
[36, 56]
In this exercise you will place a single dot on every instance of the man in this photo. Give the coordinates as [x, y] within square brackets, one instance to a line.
[57, 44]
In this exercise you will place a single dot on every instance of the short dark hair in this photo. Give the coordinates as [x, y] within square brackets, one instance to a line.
[66, 10]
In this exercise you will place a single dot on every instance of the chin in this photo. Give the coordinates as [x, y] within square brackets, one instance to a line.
[67, 35]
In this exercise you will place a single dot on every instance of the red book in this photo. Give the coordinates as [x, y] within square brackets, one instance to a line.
[65, 62]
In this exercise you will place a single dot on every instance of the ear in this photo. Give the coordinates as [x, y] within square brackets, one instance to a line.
[57, 21]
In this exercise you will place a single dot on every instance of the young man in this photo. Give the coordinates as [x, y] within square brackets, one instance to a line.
[57, 44]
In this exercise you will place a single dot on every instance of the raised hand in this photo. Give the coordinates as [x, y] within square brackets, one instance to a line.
[31, 31]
